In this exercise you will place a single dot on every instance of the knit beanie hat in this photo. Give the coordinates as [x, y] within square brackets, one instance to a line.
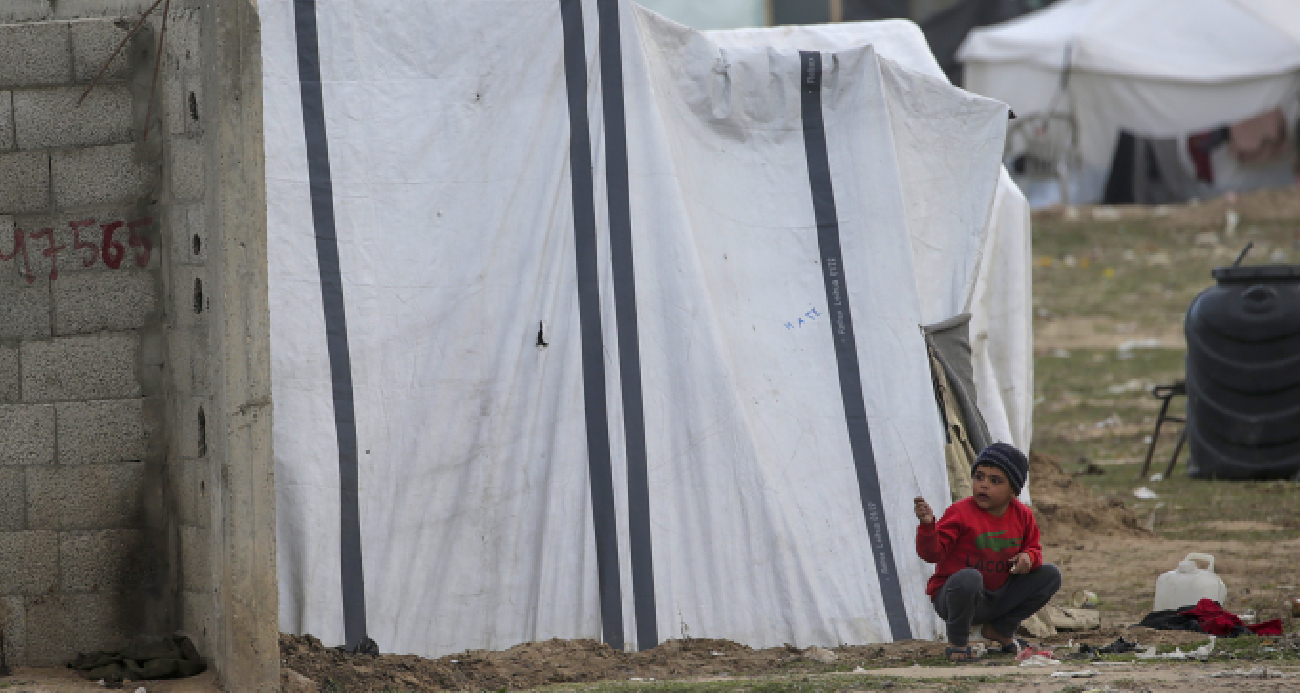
[1008, 459]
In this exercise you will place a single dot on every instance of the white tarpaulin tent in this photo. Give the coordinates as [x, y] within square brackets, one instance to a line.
[1156, 68]
[583, 326]
[970, 258]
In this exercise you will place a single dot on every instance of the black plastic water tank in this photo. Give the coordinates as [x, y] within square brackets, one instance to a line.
[1243, 374]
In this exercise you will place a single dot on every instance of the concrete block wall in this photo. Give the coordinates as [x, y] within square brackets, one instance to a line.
[136, 476]
[82, 440]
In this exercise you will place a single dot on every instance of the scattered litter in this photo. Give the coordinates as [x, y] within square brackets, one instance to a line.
[1134, 385]
[634, 678]
[1085, 674]
[716, 654]
[1255, 673]
[1145, 493]
[820, 654]
[1129, 255]
[1151, 521]
[1159, 260]
[1061, 353]
[1157, 477]
[1231, 219]
[978, 650]
[1125, 349]
[1120, 646]
[1278, 255]
[1209, 238]
[1202, 653]
[1069, 261]
[859, 670]
[141, 690]
[1039, 660]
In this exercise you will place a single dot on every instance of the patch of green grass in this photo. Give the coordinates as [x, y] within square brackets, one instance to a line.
[1091, 404]
[1137, 270]
[1256, 648]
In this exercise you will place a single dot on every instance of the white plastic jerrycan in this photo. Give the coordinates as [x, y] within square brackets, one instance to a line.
[1189, 584]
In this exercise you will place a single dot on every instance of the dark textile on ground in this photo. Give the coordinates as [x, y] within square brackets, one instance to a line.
[1172, 619]
[1209, 618]
[145, 657]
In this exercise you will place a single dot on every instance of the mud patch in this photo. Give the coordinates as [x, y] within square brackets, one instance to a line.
[536, 664]
[1066, 508]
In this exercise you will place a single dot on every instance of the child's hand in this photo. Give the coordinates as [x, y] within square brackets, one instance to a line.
[923, 511]
[1022, 564]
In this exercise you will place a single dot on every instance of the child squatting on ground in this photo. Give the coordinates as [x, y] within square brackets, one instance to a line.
[989, 565]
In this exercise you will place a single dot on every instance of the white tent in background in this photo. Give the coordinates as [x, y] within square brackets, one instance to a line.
[972, 259]
[586, 326]
[1154, 68]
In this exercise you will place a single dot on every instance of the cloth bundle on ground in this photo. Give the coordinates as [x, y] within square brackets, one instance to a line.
[144, 658]
[1210, 618]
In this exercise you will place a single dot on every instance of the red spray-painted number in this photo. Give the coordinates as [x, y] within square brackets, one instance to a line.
[139, 241]
[20, 245]
[78, 245]
[52, 252]
[112, 251]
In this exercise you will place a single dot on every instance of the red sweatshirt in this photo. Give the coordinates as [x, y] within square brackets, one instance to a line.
[969, 537]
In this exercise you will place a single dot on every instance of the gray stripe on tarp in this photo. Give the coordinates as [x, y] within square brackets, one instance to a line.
[629, 346]
[600, 467]
[336, 326]
[846, 349]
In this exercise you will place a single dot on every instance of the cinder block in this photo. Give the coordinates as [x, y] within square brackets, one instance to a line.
[13, 625]
[93, 301]
[190, 490]
[186, 171]
[28, 434]
[192, 427]
[187, 240]
[13, 482]
[100, 431]
[25, 11]
[195, 561]
[61, 625]
[11, 377]
[187, 359]
[109, 559]
[107, 496]
[24, 293]
[52, 118]
[6, 120]
[94, 366]
[31, 562]
[183, 100]
[35, 53]
[105, 175]
[94, 40]
[197, 609]
[183, 38]
[24, 182]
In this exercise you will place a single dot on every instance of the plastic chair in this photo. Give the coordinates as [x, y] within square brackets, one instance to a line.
[1166, 393]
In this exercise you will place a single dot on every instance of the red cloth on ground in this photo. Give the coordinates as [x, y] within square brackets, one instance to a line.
[1273, 627]
[1214, 620]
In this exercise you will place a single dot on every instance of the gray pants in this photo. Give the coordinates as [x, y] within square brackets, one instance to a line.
[963, 600]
